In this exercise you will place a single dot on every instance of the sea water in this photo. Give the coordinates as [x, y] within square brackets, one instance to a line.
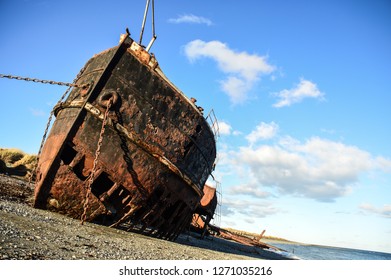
[316, 252]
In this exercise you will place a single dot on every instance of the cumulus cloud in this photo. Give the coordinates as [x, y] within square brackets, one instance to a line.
[251, 189]
[226, 210]
[250, 209]
[384, 211]
[190, 18]
[263, 131]
[242, 69]
[383, 164]
[318, 168]
[236, 89]
[224, 128]
[305, 89]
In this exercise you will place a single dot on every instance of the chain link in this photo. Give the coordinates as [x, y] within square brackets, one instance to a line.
[35, 169]
[42, 81]
[97, 153]
[94, 167]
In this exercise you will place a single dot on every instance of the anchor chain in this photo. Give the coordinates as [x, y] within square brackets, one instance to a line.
[35, 80]
[35, 169]
[94, 167]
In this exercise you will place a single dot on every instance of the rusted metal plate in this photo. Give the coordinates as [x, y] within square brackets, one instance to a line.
[205, 211]
[209, 199]
[157, 150]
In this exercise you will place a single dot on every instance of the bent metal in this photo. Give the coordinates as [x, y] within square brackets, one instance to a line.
[156, 151]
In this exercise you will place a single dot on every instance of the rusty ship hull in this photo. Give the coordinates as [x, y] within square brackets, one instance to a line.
[157, 149]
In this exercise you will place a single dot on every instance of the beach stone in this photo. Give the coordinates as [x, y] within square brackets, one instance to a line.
[29, 233]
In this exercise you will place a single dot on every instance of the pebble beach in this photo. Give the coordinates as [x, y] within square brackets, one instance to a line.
[29, 233]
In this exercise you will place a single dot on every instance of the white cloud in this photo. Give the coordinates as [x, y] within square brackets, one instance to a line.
[318, 168]
[262, 131]
[255, 176]
[383, 164]
[224, 128]
[384, 211]
[247, 208]
[251, 189]
[236, 89]
[190, 18]
[305, 89]
[249, 220]
[243, 69]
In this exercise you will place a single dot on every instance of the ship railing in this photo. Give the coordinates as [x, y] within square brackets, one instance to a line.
[213, 123]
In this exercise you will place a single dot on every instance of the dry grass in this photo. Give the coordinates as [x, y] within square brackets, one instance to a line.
[10, 156]
[16, 162]
[28, 160]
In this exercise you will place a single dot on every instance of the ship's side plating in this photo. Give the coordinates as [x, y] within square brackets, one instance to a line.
[157, 150]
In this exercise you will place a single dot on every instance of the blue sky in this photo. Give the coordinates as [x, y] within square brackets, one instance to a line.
[301, 90]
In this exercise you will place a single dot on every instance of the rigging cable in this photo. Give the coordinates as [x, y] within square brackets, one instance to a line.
[153, 24]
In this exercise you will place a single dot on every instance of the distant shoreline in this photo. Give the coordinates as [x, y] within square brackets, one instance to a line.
[265, 238]
[281, 241]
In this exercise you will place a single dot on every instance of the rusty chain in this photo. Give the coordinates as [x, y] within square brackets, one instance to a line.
[42, 81]
[35, 169]
[94, 167]
[97, 153]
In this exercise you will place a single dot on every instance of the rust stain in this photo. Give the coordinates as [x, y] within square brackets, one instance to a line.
[157, 150]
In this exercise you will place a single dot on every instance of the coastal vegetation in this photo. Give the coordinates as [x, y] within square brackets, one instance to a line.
[16, 162]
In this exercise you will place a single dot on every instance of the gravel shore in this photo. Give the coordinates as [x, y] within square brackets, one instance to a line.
[29, 233]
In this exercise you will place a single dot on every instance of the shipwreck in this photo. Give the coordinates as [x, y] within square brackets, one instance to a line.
[147, 147]
[128, 149]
